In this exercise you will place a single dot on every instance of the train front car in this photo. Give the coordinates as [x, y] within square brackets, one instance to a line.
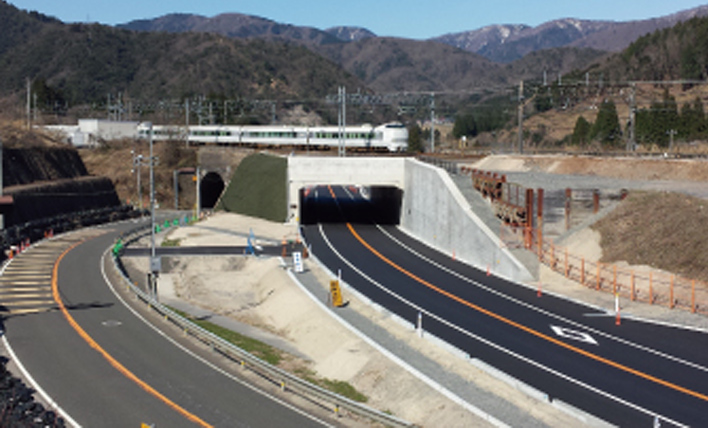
[394, 136]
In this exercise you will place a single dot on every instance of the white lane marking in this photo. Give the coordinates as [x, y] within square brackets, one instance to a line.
[33, 383]
[573, 334]
[497, 346]
[197, 357]
[542, 311]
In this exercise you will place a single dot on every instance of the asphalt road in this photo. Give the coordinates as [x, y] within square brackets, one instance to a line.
[123, 373]
[628, 374]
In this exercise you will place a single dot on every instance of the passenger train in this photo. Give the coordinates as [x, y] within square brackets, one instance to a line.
[392, 137]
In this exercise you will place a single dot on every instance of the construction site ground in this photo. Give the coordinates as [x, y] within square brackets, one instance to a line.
[260, 299]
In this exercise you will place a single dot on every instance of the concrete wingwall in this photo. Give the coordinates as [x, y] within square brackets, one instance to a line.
[433, 209]
[437, 213]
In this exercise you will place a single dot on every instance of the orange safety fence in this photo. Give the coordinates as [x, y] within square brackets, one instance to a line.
[641, 285]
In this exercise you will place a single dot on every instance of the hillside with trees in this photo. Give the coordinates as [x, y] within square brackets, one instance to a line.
[679, 52]
[80, 64]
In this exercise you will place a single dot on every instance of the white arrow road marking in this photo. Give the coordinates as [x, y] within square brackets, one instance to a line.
[573, 334]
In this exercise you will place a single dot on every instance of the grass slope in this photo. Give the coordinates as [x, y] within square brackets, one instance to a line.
[257, 188]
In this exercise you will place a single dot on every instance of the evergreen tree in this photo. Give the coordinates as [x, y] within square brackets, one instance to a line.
[607, 128]
[692, 123]
[663, 117]
[643, 126]
[415, 139]
[465, 125]
[581, 132]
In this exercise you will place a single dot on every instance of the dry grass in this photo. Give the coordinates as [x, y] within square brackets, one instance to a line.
[114, 160]
[663, 230]
[14, 134]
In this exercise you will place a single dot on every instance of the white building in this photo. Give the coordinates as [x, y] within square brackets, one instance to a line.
[90, 131]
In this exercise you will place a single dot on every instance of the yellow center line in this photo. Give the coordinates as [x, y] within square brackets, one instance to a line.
[118, 366]
[525, 328]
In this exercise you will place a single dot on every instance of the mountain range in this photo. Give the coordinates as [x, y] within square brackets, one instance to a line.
[235, 56]
[497, 43]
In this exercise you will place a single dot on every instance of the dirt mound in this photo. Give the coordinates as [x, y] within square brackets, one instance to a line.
[16, 135]
[621, 168]
[660, 229]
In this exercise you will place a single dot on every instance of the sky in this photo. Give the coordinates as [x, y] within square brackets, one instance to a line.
[414, 19]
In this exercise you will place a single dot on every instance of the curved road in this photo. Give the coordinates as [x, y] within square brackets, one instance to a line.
[107, 367]
[630, 374]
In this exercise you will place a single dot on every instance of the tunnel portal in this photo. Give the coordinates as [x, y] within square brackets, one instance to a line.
[211, 188]
[350, 204]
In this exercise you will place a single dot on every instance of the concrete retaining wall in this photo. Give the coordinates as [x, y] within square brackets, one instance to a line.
[35, 202]
[437, 213]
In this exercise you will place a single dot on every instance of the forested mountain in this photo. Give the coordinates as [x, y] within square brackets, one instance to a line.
[680, 52]
[233, 25]
[82, 63]
[390, 64]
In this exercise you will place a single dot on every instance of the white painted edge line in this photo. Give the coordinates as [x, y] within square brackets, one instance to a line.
[26, 374]
[511, 381]
[430, 382]
[499, 347]
[197, 357]
[546, 312]
[36, 386]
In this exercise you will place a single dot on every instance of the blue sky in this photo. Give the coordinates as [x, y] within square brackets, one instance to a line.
[415, 19]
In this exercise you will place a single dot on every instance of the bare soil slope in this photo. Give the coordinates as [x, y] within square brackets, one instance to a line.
[663, 230]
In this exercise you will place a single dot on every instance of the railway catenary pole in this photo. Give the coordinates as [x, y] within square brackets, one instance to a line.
[631, 142]
[154, 261]
[432, 122]
[29, 104]
[521, 118]
[342, 120]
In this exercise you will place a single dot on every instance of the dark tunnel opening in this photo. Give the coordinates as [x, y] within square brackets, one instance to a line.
[351, 204]
[211, 188]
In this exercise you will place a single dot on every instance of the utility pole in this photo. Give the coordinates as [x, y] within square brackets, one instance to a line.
[521, 117]
[175, 176]
[432, 122]
[632, 141]
[29, 105]
[137, 163]
[155, 263]
[671, 133]
[152, 195]
[342, 122]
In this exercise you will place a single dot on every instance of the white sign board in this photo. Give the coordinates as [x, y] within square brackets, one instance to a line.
[297, 262]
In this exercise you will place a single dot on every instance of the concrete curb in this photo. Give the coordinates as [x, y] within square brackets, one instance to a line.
[430, 382]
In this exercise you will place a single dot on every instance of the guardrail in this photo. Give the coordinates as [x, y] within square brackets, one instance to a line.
[286, 381]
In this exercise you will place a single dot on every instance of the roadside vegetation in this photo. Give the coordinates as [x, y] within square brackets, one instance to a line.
[276, 357]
